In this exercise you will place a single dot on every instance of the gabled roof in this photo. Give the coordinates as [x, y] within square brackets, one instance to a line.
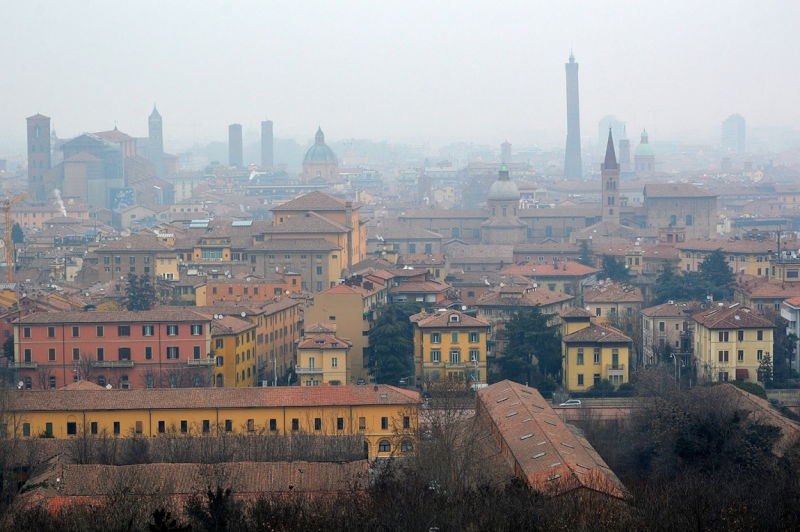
[529, 298]
[120, 316]
[315, 201]
[564, 269]
[729, 315]
[676, 309]
[444, 320]
[546, 453]
[82, 157]
[309, 222]
[230, 325]
[325, 341]
[138, 242]
[597, 333]
[675, 190]
[419, 287]
[574, 312]
[612, 293]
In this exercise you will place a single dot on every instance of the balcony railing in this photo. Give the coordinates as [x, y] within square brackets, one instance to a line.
[113, 363]
[306, 371]
[455, 365]
[208, 361]
[615, 367]
[23, 365]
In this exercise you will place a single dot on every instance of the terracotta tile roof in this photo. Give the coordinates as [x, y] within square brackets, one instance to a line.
[230, 325]
[419, 286]
[547, 248]
[539, 297]
[446, 213]
[661, 252]
[484, 279]
[137, 242]
[314, 201]
[612, 293]
[82, 157]
[675, 190]
[443, 320]
[760, 287]
[676, 309]
[597, 333]
[114, 135]
[565, 269]
[727, 246]
[494, 253]
[352, 289]
[729, 315]
[575, 312]
[548, 455]
[309, 222]
[321, 327]
[120, 316]
[325, 341]
[392, 229]
[185, 398]
[82, 385]
[795, 301]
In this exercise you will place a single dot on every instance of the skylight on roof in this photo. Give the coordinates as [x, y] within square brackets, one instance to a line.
[535, 456]
[554, 477]
[550, 422]
[526, 437]
[241, 223]
[511, 414]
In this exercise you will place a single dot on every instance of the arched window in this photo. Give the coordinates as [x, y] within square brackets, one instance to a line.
[37, 131]
[384, 446]
[220, 380]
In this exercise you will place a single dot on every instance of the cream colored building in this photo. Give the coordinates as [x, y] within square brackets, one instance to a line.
[322, 359]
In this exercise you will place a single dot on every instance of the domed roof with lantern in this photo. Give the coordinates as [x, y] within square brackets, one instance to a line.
[504, 188]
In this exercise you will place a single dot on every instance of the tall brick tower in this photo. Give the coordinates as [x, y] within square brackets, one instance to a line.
[235, 150]
[572, 160]
[266, 143]
[38, 155]
[155, 148]
[610, 177]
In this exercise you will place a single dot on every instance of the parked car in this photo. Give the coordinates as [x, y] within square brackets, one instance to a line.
[571, 402]
[402, 382]
[361, 381]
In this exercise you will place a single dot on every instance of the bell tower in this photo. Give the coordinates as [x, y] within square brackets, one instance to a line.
[610, 179]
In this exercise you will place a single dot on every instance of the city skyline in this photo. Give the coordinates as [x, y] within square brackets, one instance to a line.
[490, 73]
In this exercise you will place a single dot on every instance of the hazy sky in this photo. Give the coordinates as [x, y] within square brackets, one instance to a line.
[406, 71]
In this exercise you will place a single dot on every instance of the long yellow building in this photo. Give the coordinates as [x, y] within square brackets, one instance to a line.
[386, 416]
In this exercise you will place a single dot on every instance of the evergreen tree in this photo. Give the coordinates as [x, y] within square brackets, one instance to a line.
[714, 270]
[586, 254]
[140, 293]
[17, 236]
[765, 371]
[532, 342]
[391, 341]
[8, 348]
[613, 269]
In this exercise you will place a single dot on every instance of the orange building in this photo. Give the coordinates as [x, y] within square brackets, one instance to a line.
[211, 291]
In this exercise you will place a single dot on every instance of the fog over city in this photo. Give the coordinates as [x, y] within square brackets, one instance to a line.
[402, 72]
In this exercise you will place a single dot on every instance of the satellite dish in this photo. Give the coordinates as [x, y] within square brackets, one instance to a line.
[287, 292]
[463, 307]
[108, 386]
[243, 314]
[20, 384]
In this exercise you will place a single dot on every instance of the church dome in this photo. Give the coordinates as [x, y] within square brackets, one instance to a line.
[319, 151]
[644, 149]
[504, 188]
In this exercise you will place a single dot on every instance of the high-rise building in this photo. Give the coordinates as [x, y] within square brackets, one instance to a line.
[505, 152]
[624, 152]
[235, 151]
[733, 133]
[573, 168]
[155, 144]
[610, 176]
[609, 121]
[38, 155]
[266, 144]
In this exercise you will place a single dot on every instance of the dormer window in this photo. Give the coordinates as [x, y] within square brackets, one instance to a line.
[454, 317]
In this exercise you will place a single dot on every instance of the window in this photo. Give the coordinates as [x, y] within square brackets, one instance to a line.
[27, 354]
[124, 330]
[162, 427]
[76, 331]
[436, 355]
[101, 353]
[689, 220]
[72, 428]
[740, 355]
[116, 428]
[596, 378]
[197, 330]
[148, 330]
[317, 423]
[474, 355]
[28, 383]
[723, 336]
[474, 337]
[148, 353]
[384, 446]
[334, 362]
[184, 426]
[362, 423]
[580, 357]
[723, 376]
[76, 353]
[412, 248]
[52, 383]
[206, 426]
[455, 356]
[759, 354]
[454, 337]
[26, 429]
[436, 338]
[172, 330]
[339, 423]
[51, 332]
[26, 332]
[598, 312]
[740, 336]
[273, 425]
[759, 335]
[428, 248]
[100, 331]
[228, 425]
[124, 353]
[295, 424]
[172, 353]
[93, 427]
[723, 356]
[196, 352]
[138, 427]
[148, 381]
[219, 343]
[596, 355]
[51, 354]
[470, 294]
[384, 423]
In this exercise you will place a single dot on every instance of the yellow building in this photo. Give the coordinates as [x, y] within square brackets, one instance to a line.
[387, 417]
[730, 342]
[167, 266]
[743, 256]
[592, 352]
[611, 299]
[234, 344]
[450, 345]
[322, 359]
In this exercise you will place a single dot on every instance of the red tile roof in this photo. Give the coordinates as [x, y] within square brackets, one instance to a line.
[728, 315]
[676, 309]
[443, 320]
[612, 293]
[186, 398]
[550, 457]
[565, 269]
[314, 201]
[597, 333]
[325, 341]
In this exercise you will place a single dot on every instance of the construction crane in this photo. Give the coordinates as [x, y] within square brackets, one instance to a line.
[9, 239]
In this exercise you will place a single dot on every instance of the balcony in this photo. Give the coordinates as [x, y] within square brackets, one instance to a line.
[615, 369]
[307, 371]
[455, 365]
[208, 361]
[23, 365]
[113, 363]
